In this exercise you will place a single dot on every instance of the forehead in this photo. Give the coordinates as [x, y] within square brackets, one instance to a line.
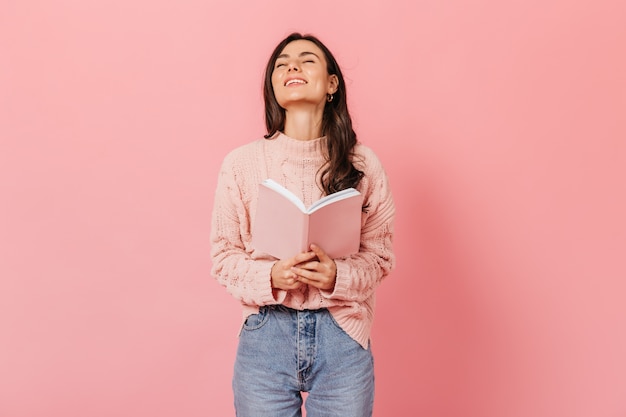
[295, 48]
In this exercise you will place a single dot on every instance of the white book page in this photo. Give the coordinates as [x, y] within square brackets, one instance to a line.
[338, 196]
[270, 183]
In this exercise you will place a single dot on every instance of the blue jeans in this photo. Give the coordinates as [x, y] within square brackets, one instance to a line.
[283, 352]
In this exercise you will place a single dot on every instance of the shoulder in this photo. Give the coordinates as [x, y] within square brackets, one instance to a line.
[375, 179]
[375, 187]
[243, 166]
[366, 160]
[243, 154]
[244, 159]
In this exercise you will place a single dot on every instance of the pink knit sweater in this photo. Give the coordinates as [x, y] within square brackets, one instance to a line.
[245, 272]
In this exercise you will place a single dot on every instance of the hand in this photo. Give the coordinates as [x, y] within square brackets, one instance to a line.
[319, 272]
[282, 275]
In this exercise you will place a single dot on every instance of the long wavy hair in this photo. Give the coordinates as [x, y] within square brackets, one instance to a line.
[338, 173]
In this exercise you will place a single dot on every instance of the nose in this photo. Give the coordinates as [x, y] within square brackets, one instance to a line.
[293, 67]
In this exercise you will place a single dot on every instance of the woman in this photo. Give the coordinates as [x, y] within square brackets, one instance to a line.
[308, 317]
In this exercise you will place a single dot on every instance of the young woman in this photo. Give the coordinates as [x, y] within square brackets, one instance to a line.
[308, 317]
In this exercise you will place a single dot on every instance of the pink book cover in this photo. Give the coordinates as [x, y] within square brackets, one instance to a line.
[284, 227]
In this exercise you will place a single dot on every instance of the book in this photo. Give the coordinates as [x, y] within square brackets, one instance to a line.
[284, 227]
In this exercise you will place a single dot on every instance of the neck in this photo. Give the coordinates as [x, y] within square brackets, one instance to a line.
[303, 124]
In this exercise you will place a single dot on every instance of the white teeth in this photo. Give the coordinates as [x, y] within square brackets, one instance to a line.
[295, 82]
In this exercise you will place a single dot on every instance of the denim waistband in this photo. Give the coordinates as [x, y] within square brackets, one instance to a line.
[280, 307]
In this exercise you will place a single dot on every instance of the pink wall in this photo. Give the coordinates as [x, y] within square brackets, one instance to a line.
[502, 125]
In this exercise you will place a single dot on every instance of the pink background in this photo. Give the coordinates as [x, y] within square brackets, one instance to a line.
[502, 125]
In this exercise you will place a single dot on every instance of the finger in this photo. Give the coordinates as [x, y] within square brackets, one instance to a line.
[321, 284]
[292, 283]
[309, 266]
[285, 264]
[319, 252]
[305, 273]
[302, 257]
[305, 280]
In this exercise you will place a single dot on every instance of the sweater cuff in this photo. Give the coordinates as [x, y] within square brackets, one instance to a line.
[341, 283]
[267, 294]
[270, 295]
[279, 295]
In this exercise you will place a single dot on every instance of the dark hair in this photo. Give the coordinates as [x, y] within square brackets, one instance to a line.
[339, 172]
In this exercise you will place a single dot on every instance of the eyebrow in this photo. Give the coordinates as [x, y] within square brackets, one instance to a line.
[305, 53]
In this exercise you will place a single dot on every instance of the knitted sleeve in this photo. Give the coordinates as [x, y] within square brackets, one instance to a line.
[246, 278]
[359, 275]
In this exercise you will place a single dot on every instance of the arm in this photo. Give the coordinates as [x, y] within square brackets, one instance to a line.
[247, 279]
[359, 275]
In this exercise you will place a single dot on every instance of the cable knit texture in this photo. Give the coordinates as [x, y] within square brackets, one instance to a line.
[245, 272]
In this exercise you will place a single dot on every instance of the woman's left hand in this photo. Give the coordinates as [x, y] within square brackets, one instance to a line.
[320, 273]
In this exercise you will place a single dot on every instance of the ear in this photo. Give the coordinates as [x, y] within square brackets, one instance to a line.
[333, 84]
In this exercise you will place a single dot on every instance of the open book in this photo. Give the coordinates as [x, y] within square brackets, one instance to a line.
[284, 227]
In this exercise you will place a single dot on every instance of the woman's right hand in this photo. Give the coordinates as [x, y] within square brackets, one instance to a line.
[283, 278]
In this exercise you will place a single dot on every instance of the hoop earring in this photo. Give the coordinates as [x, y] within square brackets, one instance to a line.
[329, 97]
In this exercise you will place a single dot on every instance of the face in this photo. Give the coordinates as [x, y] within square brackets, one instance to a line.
[300, 76]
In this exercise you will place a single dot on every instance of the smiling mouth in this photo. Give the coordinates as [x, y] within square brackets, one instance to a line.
[295, 81]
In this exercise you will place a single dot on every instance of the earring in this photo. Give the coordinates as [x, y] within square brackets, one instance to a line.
[329, 97]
